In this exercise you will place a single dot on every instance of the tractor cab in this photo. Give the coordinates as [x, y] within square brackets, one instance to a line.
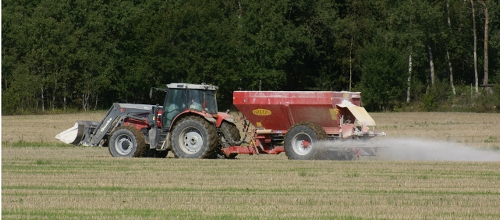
[192, 97]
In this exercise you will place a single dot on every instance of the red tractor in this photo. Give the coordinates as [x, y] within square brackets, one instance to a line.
[188, 124]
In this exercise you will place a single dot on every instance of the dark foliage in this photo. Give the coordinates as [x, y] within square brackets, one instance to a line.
[83, 55]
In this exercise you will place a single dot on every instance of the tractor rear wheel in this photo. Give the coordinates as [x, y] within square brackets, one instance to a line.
[300, 140]
[127, 141]
[230, 134]
[194, 137]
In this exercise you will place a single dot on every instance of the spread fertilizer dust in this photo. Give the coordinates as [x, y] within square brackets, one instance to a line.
[404, 149]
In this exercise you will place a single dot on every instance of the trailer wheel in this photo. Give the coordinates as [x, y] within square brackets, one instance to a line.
[127, 141]
[300, 140]
[194, 137]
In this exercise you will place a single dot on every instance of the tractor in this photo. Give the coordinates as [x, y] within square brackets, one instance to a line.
[188, 124]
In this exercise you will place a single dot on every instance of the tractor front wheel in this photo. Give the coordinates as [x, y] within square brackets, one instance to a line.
[127, 141]
[300, 140]
[194, 137]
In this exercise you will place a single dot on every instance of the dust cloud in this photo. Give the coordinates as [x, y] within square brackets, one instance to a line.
[404, 149]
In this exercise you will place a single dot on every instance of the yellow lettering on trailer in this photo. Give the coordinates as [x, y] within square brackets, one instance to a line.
[261, 112]
[333, 113]
[258, 124]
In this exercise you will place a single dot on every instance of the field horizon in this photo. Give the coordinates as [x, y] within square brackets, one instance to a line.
[44, 179]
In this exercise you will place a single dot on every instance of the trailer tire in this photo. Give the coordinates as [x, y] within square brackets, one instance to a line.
[194, 137]
[127, 141]
[300, 140]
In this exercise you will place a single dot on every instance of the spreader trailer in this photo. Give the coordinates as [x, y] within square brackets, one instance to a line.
[190, 126]
[292, 121]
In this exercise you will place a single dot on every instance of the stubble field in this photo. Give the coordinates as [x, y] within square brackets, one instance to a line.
[42, 179]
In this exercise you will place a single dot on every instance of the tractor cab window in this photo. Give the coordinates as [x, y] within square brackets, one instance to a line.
[211, 103]
[176, 98]
[175, 103]
[202, 100]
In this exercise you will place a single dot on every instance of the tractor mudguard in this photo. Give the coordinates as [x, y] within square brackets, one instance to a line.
[224, 117]
[189, 112]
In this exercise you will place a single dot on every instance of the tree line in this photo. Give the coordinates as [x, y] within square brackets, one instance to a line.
[84, 55]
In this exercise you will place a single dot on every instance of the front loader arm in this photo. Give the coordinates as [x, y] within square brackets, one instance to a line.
[93, 133]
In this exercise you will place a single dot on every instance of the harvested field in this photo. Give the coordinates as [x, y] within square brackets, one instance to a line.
[42, 179]
[479, 130]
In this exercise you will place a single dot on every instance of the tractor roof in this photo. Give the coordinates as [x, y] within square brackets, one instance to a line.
[191, 86]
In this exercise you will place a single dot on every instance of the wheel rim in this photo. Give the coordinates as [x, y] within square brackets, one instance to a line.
[124, 145]
[190, 140]
[302, 144]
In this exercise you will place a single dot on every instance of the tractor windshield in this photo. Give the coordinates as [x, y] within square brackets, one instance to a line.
[176, 98]
[202, 100]
[175, 103]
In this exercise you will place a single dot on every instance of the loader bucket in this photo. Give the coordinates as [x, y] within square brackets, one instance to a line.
[75, 134]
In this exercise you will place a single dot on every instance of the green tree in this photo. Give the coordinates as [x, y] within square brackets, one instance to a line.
[382, 82]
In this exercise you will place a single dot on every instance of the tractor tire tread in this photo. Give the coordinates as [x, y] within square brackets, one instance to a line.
[139, 138]
[231, 130]
[212, 138]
